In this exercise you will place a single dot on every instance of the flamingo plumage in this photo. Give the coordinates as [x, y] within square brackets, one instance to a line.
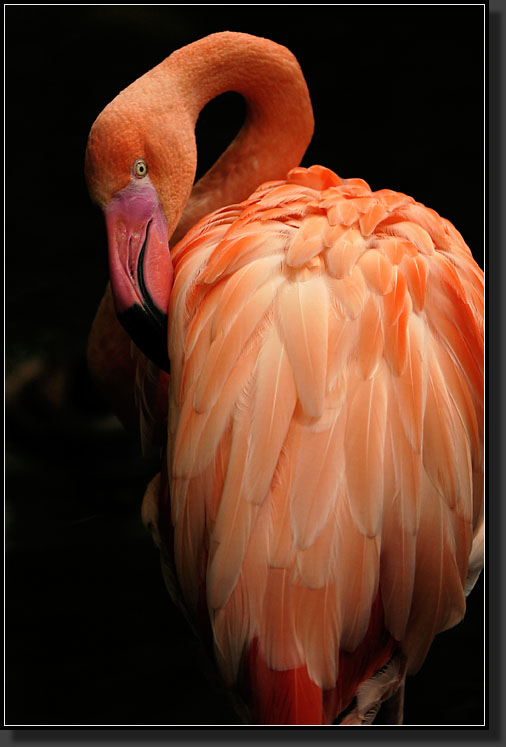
[310, 356]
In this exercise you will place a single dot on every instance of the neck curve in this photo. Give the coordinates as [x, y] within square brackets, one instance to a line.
[279, 121]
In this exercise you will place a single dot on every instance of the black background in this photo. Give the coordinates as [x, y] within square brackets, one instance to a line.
[397, 93]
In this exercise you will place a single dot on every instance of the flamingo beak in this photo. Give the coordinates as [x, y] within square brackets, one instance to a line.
[140, 267]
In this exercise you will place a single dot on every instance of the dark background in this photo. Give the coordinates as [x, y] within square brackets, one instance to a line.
[91, 637]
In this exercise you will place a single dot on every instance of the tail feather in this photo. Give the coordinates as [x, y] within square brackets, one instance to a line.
[288, 697]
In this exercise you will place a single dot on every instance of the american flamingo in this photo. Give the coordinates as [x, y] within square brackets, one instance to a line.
[321, 500]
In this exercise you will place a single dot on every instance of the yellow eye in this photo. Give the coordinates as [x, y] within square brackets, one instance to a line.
[140, 168]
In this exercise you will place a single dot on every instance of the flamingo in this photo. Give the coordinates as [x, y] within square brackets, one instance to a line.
[308, 357]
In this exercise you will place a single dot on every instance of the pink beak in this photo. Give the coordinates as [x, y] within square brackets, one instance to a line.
[140, 267]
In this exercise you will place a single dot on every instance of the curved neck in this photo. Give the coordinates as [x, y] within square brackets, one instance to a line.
[279, 121]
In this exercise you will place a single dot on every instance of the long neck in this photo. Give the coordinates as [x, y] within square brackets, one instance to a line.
[279, 120]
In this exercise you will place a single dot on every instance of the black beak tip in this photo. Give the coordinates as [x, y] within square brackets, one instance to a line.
[148, 332]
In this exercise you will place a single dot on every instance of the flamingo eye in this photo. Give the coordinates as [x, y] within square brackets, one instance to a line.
[140, 168]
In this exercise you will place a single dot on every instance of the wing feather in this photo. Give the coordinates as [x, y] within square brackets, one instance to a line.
[343, 212]
[199, 433]
[396, 339]
[319, 472]
[456, 323]
[410, 387]
[414, 233]
[200, 340]
[240, 288]
[438, 598]
[234, 521]
[348, 294]
[370, 344]
[416, 270]
[395, 300]
[431, 223]
[318, 619]
[377, 270]
[232, 629]
[359, 577]
[239, 620]
[326, 406]
[401, 516]
[308, 242]
[281, 551]
[439, 436]
[344, 252]
[227, 346]
[317, 564]
[462, 400]
[189, 537]
[274, 401]
[236, 251]
[373, 215]
[303, 312]
[279, 637]
[364, 452]
[343, 341]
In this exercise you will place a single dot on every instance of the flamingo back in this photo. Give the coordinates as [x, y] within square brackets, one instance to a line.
[325, 435]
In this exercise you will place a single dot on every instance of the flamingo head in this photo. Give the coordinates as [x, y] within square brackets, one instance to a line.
[130, 174]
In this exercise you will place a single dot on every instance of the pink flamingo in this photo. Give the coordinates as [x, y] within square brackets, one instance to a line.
[321, 500]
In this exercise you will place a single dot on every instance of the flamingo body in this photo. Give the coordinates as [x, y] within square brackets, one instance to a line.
[321, 499]
[325, 343]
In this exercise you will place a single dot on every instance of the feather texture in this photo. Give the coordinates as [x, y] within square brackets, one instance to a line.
[326, 406]
[275, 397]
[364, 452]
[303, 311]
